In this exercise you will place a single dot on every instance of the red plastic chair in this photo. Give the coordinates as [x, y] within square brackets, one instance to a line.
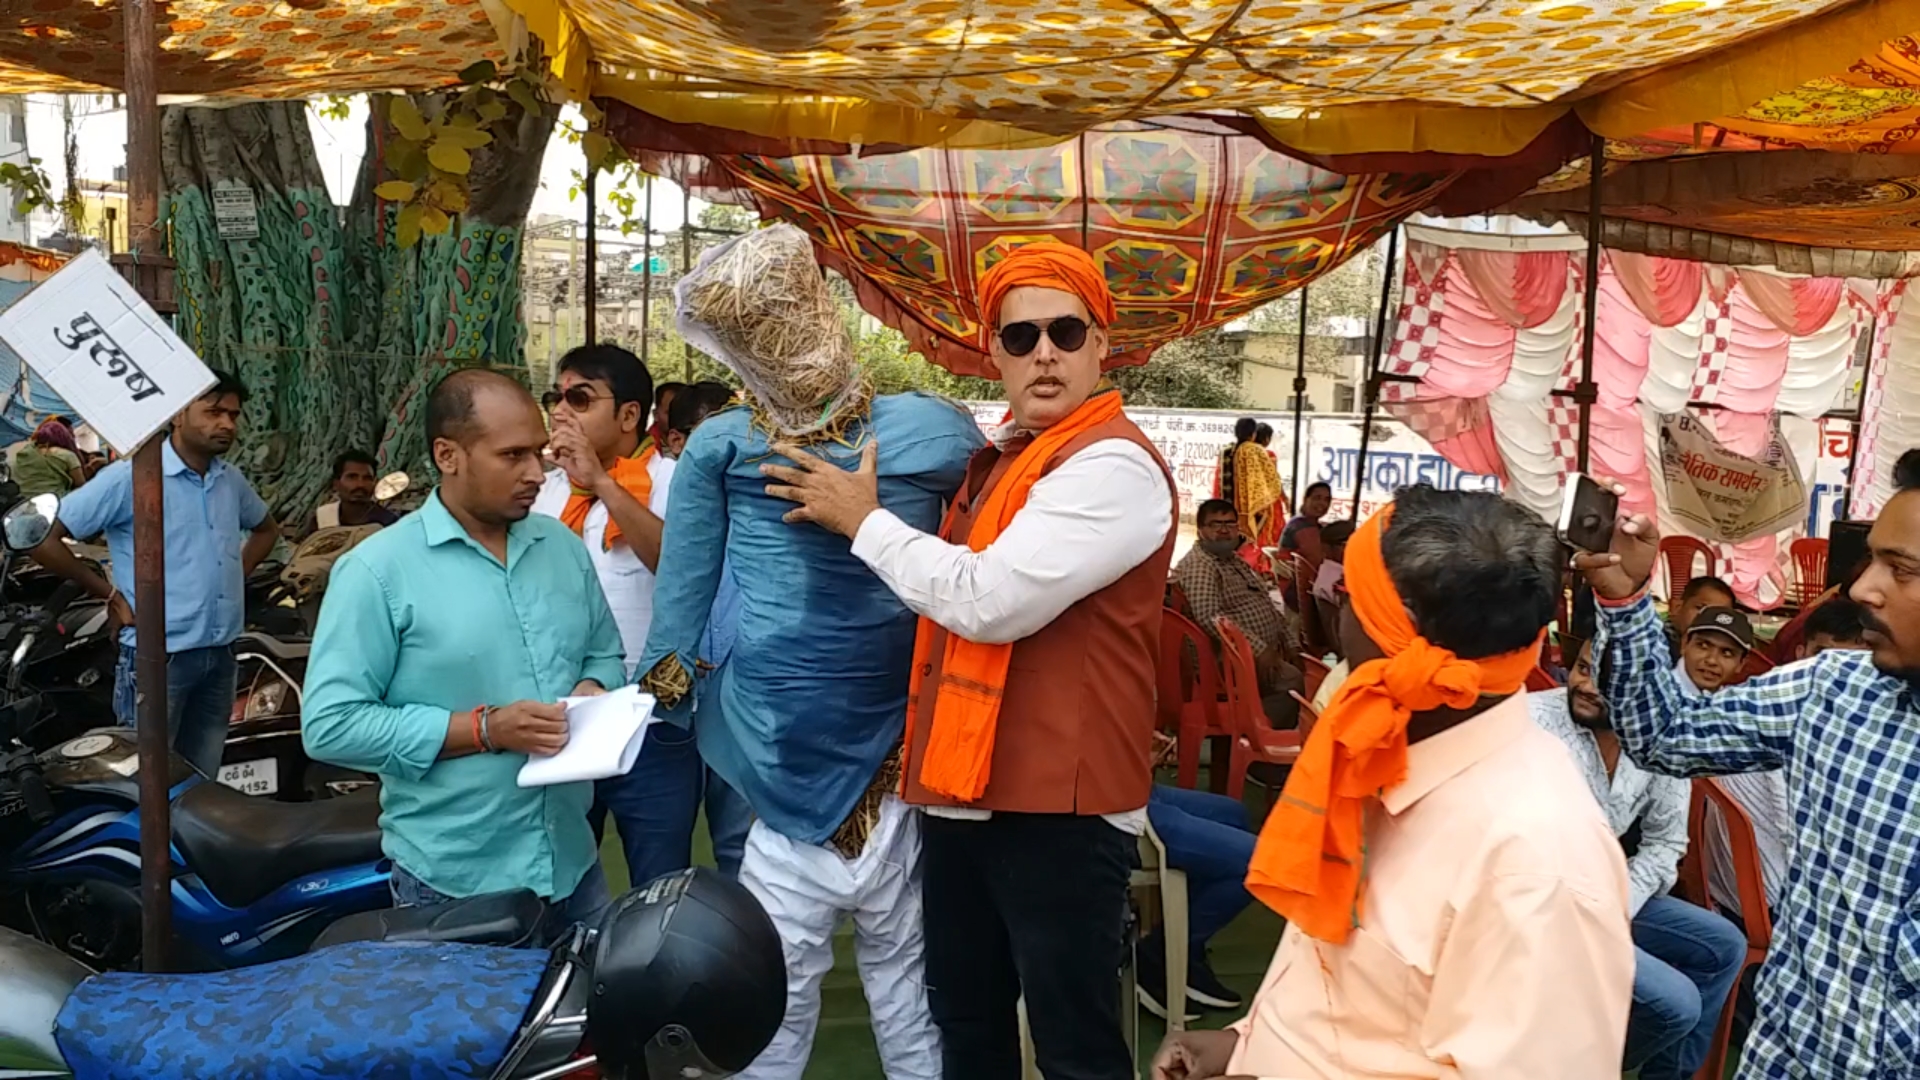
[1680, 553]
[1748, 882]
[1809, 570]
[1255, 739]
[1316, 671]
[1539, 682]
[1188, 684]
[1756, 663]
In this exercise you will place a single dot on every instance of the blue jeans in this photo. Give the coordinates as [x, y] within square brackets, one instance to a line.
[200, 689]
[655, 805]
[590, 900]
[1207, 837]
[729, 819]
[1685, 961]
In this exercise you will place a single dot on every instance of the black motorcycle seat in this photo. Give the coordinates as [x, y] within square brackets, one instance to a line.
[508, 918]
[283, 651]
[244, 847]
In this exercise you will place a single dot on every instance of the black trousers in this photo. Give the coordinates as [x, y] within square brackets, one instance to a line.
[1032, 903]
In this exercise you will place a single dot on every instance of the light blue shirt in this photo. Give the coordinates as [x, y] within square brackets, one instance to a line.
[420, 621]
[208, 519]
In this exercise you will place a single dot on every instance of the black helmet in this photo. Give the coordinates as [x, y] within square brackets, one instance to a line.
[688, 980]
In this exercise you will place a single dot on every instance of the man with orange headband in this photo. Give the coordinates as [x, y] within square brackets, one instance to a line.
[1031, 710]
[1456, 904]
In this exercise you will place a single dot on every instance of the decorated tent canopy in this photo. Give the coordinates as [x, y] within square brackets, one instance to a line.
[1486, 357]
[1191, 229]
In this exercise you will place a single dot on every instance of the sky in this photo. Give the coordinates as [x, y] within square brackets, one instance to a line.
[339, 145]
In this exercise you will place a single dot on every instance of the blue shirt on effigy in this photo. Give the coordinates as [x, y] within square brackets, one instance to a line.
[810, 698]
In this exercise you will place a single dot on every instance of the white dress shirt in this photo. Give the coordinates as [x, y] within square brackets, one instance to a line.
[1659, 803]
[623, 577]
[1104, 511]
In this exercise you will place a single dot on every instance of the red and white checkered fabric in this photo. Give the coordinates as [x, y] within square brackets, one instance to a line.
[1563, 426]
[1416, 332]
[1715, 338]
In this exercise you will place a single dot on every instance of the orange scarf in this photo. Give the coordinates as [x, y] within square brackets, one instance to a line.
[1309, 862]
[631, 474]
[966, 709]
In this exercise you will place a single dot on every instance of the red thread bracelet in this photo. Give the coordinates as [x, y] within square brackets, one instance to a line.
[477, 744]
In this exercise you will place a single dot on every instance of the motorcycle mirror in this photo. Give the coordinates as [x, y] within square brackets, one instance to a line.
[391, 486]
[29, 522]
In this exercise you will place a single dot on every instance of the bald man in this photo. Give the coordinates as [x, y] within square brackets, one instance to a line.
[1031, 712]
[445, 644]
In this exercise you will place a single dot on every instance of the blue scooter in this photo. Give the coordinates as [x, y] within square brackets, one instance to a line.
[253, 879]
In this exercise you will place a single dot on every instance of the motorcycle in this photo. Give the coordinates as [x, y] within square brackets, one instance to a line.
[264, 753]
[683, 979]
[253, 879]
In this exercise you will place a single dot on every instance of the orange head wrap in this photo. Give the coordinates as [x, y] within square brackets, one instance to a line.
[1046, 264]
[1308, 863]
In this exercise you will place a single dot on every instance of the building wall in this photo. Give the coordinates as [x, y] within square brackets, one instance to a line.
[13, 148]
[1269, 362]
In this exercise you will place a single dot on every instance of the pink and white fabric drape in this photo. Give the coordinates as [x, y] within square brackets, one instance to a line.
[1490, 335]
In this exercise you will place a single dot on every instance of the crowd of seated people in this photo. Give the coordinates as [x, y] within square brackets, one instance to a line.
[1685, 719]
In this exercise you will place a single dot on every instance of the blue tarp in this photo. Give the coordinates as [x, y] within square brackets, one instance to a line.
[22, 414]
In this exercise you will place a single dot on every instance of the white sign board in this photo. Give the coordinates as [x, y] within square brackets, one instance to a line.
[236, 216]
[1829, 486]
[1191, 441]
[87, 332]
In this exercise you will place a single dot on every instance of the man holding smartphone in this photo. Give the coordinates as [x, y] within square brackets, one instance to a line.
[1840, 992]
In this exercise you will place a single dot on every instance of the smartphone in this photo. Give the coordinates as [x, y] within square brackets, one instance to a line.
[1587, 513]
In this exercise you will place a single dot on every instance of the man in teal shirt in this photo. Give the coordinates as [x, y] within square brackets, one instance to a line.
[444, 644]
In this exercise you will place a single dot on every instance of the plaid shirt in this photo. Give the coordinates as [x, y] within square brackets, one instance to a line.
[1230, 587]
[1839, 997]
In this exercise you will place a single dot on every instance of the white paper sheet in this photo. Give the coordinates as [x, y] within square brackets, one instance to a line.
[604, 735]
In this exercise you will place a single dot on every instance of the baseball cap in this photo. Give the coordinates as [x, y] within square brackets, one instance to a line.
[1724, 621]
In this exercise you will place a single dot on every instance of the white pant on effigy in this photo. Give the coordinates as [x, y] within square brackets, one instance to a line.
[807, 889]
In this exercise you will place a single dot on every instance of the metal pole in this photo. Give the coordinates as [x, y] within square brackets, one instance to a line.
[149, 512]
[1378, 349]
[1299, 395]
[646, 275]
[1587, 393]
[1859, 422]
[686, 258]
[593, 257]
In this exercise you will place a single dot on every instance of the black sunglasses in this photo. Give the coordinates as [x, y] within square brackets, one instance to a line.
[578, 398]
[1068, 333]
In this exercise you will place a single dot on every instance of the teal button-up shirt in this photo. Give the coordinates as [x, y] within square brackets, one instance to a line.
[421, 622]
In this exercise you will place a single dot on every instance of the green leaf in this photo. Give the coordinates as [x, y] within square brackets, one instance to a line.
[478, 72]
[493, 110]
[449, 158]
[523, 95]
[407, 162]
[407, 119]
[395, 191]
[407, 230]
[597, 148]
[448, 196]
[434, 221]
[463, 137]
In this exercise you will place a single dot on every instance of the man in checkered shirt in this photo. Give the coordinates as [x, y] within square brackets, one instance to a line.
[1839, 996]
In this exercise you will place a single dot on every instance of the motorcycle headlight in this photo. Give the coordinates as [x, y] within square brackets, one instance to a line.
[266, 700]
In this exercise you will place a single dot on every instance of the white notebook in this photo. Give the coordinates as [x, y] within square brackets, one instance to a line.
[604, 734]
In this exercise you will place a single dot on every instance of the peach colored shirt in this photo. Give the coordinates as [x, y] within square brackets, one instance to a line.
[1494, 941]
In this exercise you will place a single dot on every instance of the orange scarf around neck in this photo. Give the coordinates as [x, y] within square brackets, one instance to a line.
[1309, 862]
[631, 474]
[966, 710]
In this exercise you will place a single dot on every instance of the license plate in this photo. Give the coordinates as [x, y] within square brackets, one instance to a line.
[252, 777]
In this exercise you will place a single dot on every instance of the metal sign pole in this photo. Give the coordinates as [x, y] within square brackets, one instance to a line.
[149, 514]
[1587, 393]
[646, 275]
[593, 255]
[1373, 372]
[1299, 395]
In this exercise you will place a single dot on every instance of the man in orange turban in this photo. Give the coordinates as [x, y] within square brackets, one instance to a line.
[1456, 903]
[1030, 709]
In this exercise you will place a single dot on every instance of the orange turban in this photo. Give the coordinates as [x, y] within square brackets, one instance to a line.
[1308, 864]
[1046, 264]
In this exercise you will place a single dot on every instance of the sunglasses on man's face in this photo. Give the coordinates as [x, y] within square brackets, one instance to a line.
[578, 397]
[1068, 333]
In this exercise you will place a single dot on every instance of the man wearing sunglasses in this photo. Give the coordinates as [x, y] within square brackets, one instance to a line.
[1031, 712]
[611, 490]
